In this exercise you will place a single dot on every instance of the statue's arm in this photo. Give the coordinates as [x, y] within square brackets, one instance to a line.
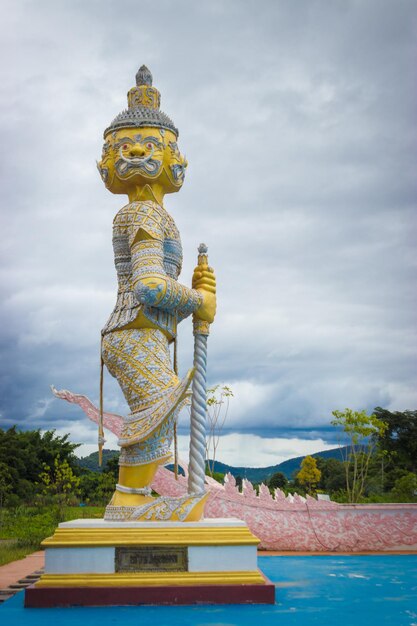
[183, 312]
[152, 285]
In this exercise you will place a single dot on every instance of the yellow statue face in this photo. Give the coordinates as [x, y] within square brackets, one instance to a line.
[133, 158]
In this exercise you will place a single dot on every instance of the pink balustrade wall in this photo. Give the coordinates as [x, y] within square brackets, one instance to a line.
[305, 524]
[288, 522]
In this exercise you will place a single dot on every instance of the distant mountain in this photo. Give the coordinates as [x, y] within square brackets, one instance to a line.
[254, 474]
[293, 465]
[91, 461]
[288, 468]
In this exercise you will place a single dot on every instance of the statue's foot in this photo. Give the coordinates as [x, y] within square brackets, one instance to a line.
[188, 508]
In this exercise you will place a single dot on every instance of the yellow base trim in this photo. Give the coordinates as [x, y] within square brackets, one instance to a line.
[95, 537]
[151, 579]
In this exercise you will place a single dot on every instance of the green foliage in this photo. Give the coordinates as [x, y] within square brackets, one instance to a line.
[112, 466]
[388, 455]
[42, 468]
[341, 496]
[358, 425]
[29, 530]
[5, 483]
[24, 453]
[399, 438]
[59, 480]
[277, 481]
[90, 462]
[25, 490]
[309, 475]
[360, 431]
[105, 488]
[30, 524]
[332, 477]
[405, 488]
[392, 475]
[218, 400]
[13, 501]
[10, 552]
[218, 394]
[60, 484]
[97, 488]
[23, 528]
[216, 475]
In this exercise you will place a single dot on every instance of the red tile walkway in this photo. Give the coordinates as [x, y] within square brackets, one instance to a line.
[12, 572]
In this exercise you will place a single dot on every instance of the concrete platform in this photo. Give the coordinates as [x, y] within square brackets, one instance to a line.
[101, 563]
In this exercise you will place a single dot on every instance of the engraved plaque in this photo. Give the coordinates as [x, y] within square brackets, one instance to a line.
[152, 559]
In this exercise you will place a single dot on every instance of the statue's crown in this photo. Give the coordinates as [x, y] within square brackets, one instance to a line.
[144, 95]
[143, 106]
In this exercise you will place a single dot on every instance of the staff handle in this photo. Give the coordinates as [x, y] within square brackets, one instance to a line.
[197, 465]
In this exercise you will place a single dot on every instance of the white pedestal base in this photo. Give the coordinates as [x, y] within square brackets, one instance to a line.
[101, 559]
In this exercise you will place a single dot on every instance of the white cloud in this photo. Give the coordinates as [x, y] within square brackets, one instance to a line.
[85, 433]
[234, 449]
[249, 450]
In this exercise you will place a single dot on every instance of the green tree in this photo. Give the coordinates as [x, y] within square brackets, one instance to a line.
[97, 487]
[392, 475]
[105, 488]
[309, 474]
[218, 400]
[112, 466]
[25, 453]
[399, 438]
[405, 488]
[332, 474]
[60, 482]
[5, 483]
[90, 462]
[239, 482]
[360, 432]
[25, 490]
[277, 481]
[89, 481]
[219, 476]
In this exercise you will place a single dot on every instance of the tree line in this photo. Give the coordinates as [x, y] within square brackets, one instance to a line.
[379, 461]
[42, 468]
[380, 465]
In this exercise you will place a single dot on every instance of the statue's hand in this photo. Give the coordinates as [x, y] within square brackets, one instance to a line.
[204, 278]
[204, 281]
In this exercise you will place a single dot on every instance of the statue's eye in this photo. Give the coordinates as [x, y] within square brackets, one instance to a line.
[149, 145]
[125, 147]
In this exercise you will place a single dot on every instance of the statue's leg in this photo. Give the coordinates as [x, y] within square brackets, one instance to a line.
[140, 361]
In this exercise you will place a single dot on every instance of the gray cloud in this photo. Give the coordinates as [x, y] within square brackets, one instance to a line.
[298, 122]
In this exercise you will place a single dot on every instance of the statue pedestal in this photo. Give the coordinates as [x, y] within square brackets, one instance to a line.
[95, 563]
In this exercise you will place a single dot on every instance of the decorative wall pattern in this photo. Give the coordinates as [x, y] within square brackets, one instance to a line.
[304, 524]
[288, 522]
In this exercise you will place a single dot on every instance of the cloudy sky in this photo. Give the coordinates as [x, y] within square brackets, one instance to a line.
[298, 120]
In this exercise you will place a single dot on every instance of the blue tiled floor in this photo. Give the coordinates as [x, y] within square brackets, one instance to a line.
[325, 590]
